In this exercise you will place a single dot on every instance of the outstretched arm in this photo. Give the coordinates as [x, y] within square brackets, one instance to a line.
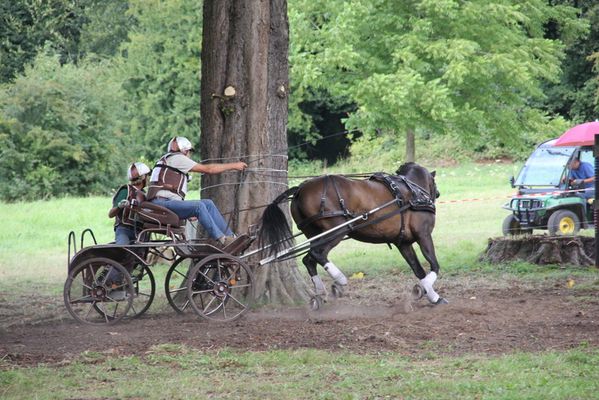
[219, 168]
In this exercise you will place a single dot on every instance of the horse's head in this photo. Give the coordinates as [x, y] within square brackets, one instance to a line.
[421, 176]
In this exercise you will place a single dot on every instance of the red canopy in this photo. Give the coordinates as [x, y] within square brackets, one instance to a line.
[580, 135]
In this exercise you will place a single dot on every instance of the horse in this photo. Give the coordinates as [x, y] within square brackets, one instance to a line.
[406, 215]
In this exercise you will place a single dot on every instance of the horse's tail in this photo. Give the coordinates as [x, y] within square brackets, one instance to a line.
[275, 230]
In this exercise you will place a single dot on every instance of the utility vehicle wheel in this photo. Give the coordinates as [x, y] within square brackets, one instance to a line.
[563, 222]
[91, 298]
[511, 226]
[220, 287]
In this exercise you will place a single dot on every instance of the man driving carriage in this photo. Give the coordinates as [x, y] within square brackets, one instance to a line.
[168, 187]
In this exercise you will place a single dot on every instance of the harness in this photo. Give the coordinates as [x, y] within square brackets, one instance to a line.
[166, 177]
[343, 212]
[419, 200]
[125, 215]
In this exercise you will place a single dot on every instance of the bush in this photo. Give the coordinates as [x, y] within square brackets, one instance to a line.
[59, 131]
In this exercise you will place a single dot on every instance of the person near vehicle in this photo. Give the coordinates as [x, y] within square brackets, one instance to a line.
[168, 187]
[582, 175]
[124, 225]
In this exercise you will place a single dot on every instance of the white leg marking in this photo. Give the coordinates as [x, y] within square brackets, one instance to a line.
[427, 284]
[335, 273]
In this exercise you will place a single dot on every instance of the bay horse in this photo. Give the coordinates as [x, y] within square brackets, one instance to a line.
[325, 202]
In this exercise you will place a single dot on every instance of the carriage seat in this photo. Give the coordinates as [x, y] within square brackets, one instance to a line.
[155, 217]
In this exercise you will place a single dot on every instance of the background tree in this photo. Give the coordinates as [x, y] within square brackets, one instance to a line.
[107, 27]
[574, 96]
[27, 26]
[244, 116]
[59, 131]
[433, 67]
[161, 73]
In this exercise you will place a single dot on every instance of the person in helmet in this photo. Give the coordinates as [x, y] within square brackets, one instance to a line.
[124, 225]
[168, 187]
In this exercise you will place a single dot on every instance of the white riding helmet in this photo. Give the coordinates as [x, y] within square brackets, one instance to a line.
[179, 143]
[137, 170]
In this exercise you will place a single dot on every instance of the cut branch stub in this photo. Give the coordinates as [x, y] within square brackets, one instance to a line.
[230, 91]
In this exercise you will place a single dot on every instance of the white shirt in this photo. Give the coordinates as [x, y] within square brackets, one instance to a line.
[183, 164]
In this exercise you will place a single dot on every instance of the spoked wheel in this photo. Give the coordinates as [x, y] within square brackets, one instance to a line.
[98, 291]
[175, 284]
[144, 289]
[220, 287]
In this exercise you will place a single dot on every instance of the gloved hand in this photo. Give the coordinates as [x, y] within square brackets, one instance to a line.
[123, 203]
[577, 182]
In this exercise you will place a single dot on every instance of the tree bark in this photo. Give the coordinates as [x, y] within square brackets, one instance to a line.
[541, 249]
[244, 117]
[410, 146]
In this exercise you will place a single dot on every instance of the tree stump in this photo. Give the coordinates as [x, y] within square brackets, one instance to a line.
[541, 249]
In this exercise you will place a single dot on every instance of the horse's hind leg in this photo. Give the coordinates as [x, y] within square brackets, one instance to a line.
[426, 281]
[310, 263]
[320, 254]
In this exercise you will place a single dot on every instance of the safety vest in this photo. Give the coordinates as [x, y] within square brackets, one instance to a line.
[165, 177]
[125, 215]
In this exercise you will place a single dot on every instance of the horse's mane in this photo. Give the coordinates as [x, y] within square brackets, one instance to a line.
[407, 167]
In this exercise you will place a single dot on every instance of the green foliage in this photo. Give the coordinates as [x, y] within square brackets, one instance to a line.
[161, 72]
[575, 95]
[432, 66]
[108, 24]
[59, 131]
[27, 26]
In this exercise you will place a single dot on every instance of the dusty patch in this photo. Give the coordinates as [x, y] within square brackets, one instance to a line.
[376, 316]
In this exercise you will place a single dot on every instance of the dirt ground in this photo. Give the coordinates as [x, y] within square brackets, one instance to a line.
[377, 315]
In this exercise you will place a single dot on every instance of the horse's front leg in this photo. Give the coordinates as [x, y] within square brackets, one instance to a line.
[428, 251]
[426, 281]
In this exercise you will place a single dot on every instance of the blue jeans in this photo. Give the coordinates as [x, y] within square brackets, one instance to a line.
[124, 234]
[204, 210]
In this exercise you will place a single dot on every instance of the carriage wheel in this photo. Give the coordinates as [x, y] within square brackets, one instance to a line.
[144, 289]
[175, 284]
[220, 287]
[91, 299]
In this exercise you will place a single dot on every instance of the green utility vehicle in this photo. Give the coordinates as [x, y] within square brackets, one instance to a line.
[545, 200]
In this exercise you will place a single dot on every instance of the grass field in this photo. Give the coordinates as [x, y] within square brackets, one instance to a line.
[177, 372]
[33, 256]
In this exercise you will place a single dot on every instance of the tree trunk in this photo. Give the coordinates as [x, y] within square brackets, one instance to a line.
[244, 117]
[410, 146]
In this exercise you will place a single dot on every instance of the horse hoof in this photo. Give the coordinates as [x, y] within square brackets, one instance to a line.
[418, 292]
[337, 290]
[441, 300]
[315, 303]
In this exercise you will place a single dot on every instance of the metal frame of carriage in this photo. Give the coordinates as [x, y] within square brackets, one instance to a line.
[216, 283]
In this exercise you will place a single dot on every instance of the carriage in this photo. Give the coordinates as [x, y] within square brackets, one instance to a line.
[217, 283]
[109, 282]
